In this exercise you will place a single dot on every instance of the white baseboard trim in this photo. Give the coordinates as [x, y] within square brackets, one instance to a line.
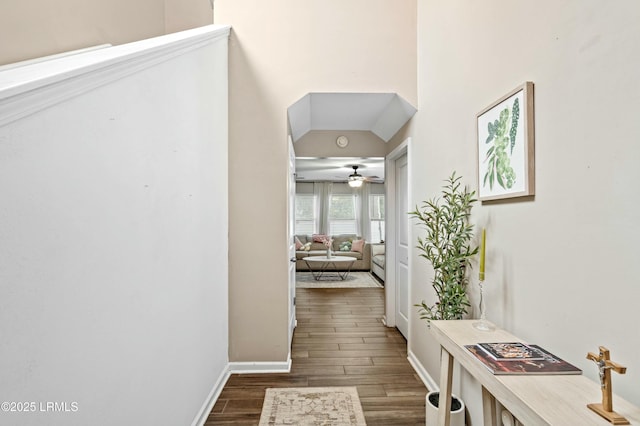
[237, 368]
[203, 414]
[260, 367]
[422, 372]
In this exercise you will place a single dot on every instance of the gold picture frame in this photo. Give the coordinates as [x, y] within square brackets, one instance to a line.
[505, 146]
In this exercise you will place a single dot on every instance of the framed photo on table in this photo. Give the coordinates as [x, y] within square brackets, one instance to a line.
[505, 146]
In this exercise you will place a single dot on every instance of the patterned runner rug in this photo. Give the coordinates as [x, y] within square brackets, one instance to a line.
[354, 280]
[334, 406]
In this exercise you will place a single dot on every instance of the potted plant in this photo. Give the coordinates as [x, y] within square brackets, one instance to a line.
[447, 245]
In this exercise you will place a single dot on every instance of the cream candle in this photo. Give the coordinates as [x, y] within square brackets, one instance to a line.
[483, 248]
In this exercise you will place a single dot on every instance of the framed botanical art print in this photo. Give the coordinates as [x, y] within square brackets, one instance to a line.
[505, 145]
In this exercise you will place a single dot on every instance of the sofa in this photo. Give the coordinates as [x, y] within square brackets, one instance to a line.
[314, 248]
[378, 260]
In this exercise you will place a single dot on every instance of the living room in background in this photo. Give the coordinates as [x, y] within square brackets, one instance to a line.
[335, 208]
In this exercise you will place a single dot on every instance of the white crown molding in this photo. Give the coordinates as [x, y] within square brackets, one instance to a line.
[26, 90]
[26, 62]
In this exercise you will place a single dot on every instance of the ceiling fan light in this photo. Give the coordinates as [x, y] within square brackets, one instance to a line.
[355, 183]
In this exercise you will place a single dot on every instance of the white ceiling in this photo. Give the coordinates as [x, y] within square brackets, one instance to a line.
[338, 169]
[381, 113]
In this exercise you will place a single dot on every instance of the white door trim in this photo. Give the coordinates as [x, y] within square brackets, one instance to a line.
[390, 229]
[291, 254]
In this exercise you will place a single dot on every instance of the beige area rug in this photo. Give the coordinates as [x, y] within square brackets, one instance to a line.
[334, 406]
[331, 280]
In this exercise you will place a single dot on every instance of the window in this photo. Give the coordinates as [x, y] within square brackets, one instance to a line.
[342, 214]
[376, 217]
[305, 214]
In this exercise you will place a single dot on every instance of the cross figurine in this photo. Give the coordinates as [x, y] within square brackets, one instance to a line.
[605, 365]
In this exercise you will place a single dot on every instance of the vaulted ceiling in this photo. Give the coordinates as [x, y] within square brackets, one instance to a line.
[381, 113]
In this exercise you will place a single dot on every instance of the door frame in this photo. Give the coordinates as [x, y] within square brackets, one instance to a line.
[389, 318]
[291, 250]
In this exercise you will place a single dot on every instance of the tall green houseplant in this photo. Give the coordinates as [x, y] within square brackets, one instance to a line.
[447, 245]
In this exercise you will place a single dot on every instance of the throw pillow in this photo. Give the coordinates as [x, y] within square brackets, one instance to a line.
[306, 247]
[345, 246]
[319, 238]
[357, 245]
[298, 243]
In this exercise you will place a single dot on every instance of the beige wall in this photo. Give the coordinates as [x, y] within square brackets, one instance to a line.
[41, 27]
[561, 270]
[322, 143]
[280, 51]
[400, 136]
[182, 14]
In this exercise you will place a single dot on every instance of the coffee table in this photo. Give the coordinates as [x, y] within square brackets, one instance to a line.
[319, 266]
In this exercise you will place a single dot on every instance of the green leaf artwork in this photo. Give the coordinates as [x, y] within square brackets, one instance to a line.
[498, 161]
[515, 115]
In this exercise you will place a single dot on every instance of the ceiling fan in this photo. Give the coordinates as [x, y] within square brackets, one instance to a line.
[355, 179]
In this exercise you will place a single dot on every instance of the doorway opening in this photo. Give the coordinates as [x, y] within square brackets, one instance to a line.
[340, 138]
[341, 201]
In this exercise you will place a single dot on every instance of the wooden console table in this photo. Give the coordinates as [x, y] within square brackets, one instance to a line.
[533, 399]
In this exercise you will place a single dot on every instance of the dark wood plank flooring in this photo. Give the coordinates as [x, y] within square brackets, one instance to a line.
[339, 341]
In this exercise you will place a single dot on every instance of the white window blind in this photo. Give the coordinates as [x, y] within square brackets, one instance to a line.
[376, 217]
[305, 214]
[342, 214]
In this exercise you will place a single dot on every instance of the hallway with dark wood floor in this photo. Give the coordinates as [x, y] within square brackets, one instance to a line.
[339, 341]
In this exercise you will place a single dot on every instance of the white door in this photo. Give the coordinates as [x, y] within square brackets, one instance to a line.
[291, 259]
[402, 246]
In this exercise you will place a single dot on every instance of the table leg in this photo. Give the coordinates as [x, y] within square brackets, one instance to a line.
[345, 275]
[317, 275]
[489, 408]
[323, 269]
[313, 273]
[446, 378]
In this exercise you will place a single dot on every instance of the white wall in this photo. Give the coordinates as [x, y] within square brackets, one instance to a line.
[561, 269]
[113, 232]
